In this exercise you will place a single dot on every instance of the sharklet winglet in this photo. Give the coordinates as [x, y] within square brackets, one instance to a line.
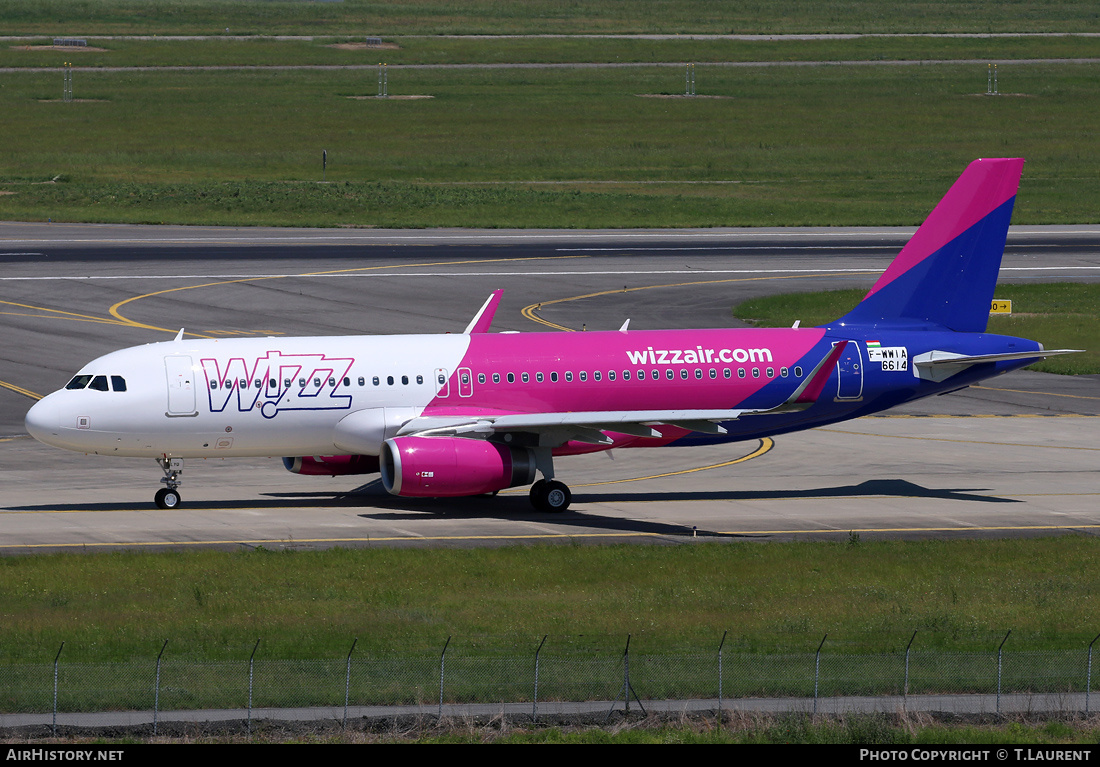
[810, 389]
[484, 317]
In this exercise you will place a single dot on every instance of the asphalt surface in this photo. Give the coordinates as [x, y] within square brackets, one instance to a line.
[1016, 456]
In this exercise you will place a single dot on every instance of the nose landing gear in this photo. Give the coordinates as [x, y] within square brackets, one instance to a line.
[168, 497]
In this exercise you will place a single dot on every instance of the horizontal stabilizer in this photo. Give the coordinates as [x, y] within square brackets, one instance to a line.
[939, 366]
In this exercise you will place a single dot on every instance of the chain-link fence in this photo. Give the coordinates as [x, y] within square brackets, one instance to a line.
[454, 675]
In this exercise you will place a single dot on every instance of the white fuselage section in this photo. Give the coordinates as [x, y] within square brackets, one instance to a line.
[248, 397]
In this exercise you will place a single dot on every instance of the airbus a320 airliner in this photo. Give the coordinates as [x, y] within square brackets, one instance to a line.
[477, 412]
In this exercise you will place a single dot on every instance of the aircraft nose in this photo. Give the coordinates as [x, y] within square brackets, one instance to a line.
[42, 421]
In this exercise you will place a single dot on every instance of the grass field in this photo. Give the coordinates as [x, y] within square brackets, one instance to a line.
[1060, 315]
[431, 50]
[775, 597]
[775, 729]
[538, 16]
[542, 148]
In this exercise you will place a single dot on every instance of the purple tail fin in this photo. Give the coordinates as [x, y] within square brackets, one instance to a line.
[946, 273]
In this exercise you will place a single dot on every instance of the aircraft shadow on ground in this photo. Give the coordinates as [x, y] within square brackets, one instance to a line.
[516, 506]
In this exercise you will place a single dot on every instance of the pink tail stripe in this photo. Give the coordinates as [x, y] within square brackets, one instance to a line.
[983, 187]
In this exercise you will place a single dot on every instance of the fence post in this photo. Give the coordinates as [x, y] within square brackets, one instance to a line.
[251, 661]
[1088, 675]
[53, 729]
[905, 689]
[535, 702]
[817, 668]
[626, 672]
[1000, 652]
[628, 690]
[156, 687]
[720, 646]
[442, 665]
[347, 682]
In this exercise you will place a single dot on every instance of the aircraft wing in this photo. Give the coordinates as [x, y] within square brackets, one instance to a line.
[589, 426]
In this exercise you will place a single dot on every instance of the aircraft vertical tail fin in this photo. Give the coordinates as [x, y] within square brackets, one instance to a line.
[945, 275]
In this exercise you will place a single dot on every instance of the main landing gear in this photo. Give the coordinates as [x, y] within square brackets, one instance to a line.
[168, 497]
[548, 495]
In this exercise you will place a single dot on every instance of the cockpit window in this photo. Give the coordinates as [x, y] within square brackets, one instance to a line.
[99, 383]
[78, 382]
[118, 383]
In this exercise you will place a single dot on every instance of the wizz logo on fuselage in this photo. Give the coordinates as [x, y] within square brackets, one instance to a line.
[277, 382]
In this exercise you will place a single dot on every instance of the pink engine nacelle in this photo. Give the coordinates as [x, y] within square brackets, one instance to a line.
[437, 467]
[332, 465]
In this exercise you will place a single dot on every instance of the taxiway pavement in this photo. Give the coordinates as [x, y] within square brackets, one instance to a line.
[1017, 456]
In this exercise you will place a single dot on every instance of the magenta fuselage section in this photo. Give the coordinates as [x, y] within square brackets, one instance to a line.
[633, 370]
